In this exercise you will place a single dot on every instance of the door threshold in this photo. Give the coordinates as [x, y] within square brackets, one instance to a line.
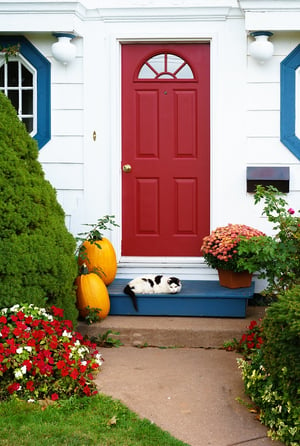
[188, 268]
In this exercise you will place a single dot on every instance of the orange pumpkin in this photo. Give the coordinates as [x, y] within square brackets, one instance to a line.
[92, 292]
[103, 259]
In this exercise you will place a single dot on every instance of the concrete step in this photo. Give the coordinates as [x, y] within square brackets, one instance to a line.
[193, 332]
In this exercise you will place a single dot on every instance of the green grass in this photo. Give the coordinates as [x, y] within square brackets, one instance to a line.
[97, 421]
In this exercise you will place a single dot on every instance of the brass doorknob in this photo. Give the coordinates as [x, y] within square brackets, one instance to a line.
[127, 168]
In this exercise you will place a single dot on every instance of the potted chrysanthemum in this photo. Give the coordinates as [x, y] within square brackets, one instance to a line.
[221, 251]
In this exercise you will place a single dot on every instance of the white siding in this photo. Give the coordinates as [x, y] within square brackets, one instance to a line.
[263, 111]
[63, 157]
[85, 96]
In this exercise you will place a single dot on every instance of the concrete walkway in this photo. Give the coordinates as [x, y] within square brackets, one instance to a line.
[188, 392]
[189, 389]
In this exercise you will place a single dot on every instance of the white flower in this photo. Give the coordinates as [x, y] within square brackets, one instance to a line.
[28, 348]
[67, 334]
[15, 308]
[83, 363]
[19, 350]
[30, 400]
[82, 350]
[99, 358]
[23, 369]
[18, 374]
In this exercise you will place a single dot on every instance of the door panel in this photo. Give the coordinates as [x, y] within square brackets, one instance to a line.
[165, 139]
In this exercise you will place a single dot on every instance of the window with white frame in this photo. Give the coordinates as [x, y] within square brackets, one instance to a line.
[18, 83]
[166, 66]
[25, 80]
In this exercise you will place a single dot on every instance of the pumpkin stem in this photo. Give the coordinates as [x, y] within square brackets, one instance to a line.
[84, 270]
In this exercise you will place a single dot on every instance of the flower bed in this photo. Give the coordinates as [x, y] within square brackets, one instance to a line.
[41, 357]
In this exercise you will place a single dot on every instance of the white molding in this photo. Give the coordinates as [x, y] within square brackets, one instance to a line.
[270, 5]
[124, 11]
[271, 15]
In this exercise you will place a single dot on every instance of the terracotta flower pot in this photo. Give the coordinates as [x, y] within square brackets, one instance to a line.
[231, 279]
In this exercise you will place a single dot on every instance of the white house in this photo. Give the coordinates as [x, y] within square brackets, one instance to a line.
[155, 112]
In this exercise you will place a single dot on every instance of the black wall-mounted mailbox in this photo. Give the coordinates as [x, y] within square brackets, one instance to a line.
[268, 176]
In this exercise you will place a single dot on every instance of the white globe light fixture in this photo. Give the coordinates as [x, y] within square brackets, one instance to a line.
[261, 48]
[64, 50]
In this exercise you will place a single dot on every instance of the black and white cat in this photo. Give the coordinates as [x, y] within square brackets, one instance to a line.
[152, 284]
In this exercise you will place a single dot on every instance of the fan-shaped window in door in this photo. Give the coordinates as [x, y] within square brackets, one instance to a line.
[166, 66]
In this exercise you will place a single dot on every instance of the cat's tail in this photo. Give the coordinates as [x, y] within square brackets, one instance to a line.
[128, 290]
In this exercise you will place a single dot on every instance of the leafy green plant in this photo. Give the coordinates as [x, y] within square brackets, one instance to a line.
[92, 316]
[94, 238]
[37, 263]
[276, 258]
[275, 408]
[281, 332]
[96, 232]
[271, 374]
[249, 342]
[41, 357]
[105, 340]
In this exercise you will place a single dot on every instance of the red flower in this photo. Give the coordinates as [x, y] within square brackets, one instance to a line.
[61, 364]
[5, 331]
[87, 390]
[53, 343]
[57, 311]
[252, 325]
[28, 364]
[13, 388]
[3, 320]
[30, 386]
[20, 315]
[64, 372]
[74, 374]
[54, 397]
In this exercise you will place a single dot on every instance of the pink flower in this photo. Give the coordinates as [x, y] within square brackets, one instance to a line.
[291, 211]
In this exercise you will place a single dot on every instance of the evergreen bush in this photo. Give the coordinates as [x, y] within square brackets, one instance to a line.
[271, 375]
[281, 334]
[37, 262]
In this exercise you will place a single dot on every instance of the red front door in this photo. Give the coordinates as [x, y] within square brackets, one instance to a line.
[165, 149]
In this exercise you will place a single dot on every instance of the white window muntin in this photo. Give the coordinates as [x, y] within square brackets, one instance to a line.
[21, 88]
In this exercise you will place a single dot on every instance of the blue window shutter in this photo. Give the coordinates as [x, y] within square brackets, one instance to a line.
[43, 69]
[288, 69]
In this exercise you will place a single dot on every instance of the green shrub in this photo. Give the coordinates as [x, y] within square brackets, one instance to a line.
[37, 263]
[272, 375]
[281, 333]
[275, 409]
